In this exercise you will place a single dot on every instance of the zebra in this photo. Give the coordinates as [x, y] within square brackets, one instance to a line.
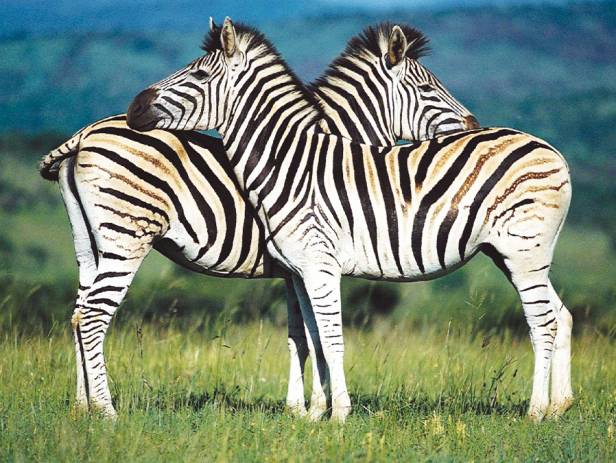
[126, 192]
[332, 207]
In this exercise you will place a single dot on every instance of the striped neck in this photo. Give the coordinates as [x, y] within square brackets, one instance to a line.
[354, 97]
[267, 106]
[356, 92]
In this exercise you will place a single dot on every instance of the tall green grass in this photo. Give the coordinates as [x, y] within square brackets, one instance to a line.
[217, 394]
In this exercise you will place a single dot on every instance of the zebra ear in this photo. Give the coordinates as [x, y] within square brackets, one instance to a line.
[212, 25]
[228, 38]
[396, 48]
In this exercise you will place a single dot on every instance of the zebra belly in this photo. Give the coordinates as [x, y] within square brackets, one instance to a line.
[371, 271]
[175, 253]
[411, 256]
[410, 277]
[215, 258]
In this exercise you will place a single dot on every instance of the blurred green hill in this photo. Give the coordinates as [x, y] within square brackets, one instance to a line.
[548, 70]
[492, 58]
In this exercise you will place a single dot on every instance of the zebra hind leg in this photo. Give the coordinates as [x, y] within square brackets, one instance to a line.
[529, 274]
[524, 230]
[107, 264]
[561, 393]
[94, 310]
[86, 253]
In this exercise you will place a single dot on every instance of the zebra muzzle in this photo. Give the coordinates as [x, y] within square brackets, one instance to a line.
[141, 115]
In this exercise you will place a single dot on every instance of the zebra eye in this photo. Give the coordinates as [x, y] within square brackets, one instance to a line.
[425, 88]
[200, 74]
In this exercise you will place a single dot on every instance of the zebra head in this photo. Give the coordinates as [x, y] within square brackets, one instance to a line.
[379, 82]
[197, 96]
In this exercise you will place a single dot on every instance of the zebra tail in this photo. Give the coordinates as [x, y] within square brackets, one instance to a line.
[50, 164]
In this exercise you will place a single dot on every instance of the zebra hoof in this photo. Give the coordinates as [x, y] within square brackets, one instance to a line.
[340, 414]
[535, 415]
[107, 413]
[79, 409]
[558, 409]
[315, 413]
[297, 410]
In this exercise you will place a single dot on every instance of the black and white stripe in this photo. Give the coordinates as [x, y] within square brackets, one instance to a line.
[331, 207]
[127, 192]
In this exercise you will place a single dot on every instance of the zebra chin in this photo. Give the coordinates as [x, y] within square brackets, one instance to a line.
[445, 132]
[143, 124]
[450, 126]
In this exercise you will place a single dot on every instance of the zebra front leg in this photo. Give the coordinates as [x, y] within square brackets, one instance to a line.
[561, 395]
[323, 291]
[318, 398]
[91, 318]
[298, 351]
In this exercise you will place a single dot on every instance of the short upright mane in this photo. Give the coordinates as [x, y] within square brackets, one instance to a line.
[211, 41]
[254, 38]
[372, 41]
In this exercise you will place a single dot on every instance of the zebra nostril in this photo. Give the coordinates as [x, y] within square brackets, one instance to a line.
[471, 122]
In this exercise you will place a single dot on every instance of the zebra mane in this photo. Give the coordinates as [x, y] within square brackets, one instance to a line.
[211, 41]
[372, 42]
[373, 39]
[253, 38]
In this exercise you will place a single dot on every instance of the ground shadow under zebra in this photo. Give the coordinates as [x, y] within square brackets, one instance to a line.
[398, 403]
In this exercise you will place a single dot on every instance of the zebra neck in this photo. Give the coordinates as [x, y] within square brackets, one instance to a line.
[348, 116]
[261, 130]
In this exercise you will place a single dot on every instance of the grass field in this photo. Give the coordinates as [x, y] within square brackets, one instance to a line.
[440, 373]
[434, 394]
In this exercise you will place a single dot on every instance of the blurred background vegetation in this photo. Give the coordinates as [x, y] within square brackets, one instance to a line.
[548, 68]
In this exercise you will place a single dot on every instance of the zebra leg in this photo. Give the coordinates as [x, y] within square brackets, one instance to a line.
[561, 394]
[86, 276]
[318, 398]
[524, 241]
[298, 351]
[531, 283]
[91, 318]
[323, 290]
[86, 253]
